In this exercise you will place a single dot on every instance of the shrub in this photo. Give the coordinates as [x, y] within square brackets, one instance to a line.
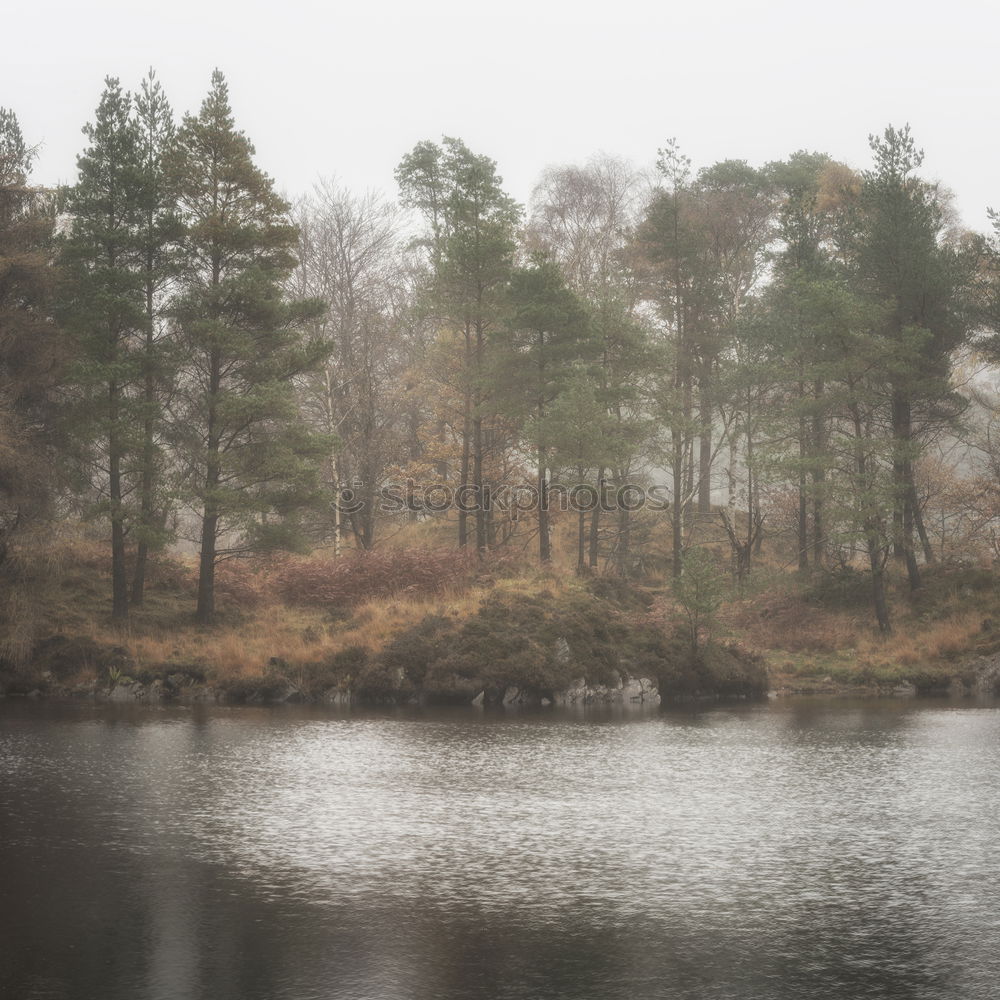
[699, 592]
[844, 587]
[245, 583]
[166, 573]
[64, 656]
[619, 591]
[365, 576]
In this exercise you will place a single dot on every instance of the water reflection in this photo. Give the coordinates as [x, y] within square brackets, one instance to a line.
[787, 850]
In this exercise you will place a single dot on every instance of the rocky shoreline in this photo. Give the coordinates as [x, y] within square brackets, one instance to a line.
[183, 689]
[178, 689]
[516, 650]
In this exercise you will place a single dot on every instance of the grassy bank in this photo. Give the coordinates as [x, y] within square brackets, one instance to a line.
[419, 621]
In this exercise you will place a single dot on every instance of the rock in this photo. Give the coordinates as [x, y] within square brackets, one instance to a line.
[572, 695]
[988, 675]
[958, 689]
[515, 696]
[337, 696]
[479, 699]
[126, 692]
[562, 651]
[905, 690]
[626, 691]
[639, 691]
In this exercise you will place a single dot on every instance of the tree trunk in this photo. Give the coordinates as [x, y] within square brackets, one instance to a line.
[819, 479]
[912, 570]
[624, 546]
[871, 526]
[918, 520]
[595, 524]
[879, 600]
[677, 511]
[902, 468]
[477, 482]
[477, 438]
[146, 513]
[119, 577]
[544, 542]
[205, 611]
[581, 535]
[705, 448]
[803, 522]
[463, 472]
[206, 569]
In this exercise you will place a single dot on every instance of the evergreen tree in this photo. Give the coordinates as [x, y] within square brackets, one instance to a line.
[792, 336]
[250, 462]
[104, 312]
[158, 233]
[584, 440]
[687, 293]
[904, 263]
[547, 331]
[471, 241]
[585, 219]
[32, 354]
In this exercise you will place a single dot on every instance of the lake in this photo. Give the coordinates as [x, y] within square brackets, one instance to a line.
[802, 848]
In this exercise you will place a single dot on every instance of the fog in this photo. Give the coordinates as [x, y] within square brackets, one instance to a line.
[347, 89]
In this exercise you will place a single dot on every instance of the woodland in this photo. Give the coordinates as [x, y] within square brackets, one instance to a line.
[208, 390]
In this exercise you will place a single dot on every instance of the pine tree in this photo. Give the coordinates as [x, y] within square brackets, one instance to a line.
[904, 264]
[250, 461]
[584, 217]
[32, 353]
[471, 241]
[158, 233]
[547, 331]
[103, 310]
[584, 438]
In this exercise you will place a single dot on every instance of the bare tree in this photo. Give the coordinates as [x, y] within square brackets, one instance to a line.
[584, 217]
[352, 254]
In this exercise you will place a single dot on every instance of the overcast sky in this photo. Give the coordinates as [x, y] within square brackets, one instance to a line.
[331, 88]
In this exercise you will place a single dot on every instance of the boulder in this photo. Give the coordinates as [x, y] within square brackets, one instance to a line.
[627, 691]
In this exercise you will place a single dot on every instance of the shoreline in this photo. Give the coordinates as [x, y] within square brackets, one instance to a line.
[633, 692]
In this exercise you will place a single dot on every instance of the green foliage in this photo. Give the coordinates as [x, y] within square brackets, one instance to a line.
[32, 358]
[699, 591]
[249, 459]
[159, 358]
[103, 310]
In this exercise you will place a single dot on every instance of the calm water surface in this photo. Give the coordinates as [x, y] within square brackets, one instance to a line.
[790, 850]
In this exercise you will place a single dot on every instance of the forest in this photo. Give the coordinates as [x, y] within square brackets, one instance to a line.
[714, 383]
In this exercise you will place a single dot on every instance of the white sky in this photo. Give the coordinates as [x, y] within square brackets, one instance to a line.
[331, 88]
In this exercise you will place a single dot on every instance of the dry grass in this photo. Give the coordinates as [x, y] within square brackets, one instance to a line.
[944, 640]
[784, 621]
[260, 623]
[299, 636]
